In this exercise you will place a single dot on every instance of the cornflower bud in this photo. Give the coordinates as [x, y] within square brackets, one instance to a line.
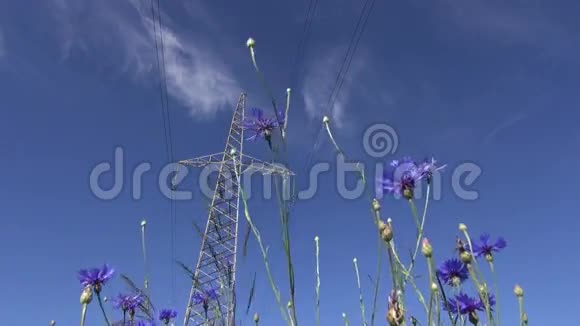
[466, 257]
[408, 193]
[489, 258]
[434, 287]
[87, 295]
[387, 233]
[426, 248]
[518, 291]
[382, 225]
[376, 205]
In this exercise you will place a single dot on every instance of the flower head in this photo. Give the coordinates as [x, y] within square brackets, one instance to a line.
[96, 277]
[405, 175]
[128, 303]
[204, 297]
[486, 248]
[140, 322]
[166, 315]
[453, 272]
[401, 180]
[463, 304]
[261, 125]
[428, 167]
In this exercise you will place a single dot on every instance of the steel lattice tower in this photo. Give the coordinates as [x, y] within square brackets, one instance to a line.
[216, 265]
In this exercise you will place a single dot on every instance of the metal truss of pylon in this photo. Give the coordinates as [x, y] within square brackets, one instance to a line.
[216, 265]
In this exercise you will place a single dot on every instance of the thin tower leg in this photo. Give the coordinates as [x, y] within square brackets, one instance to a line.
[216, 266]
[212, 300]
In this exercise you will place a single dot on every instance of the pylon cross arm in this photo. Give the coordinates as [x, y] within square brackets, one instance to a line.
[248, 164]
[202, 161]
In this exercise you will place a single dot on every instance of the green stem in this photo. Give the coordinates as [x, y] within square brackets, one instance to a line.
[522, 312]
[429, 313]
[421, 228]
[377, 280]
[394, 268]
[268, 90]
[415, 214]
[103, 308]
[361, 301]
[345, 319]
[445, 301]
[84, 314]
[256, 233]
[288, 91]
[496, 283]
[287, 250]
[145, 266]
[317, 281]
[431, 267]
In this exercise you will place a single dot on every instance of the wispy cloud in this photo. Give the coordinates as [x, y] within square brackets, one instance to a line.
[197, 77]
[507, 123]
[320, 81]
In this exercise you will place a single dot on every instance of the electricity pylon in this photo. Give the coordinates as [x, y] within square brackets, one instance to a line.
[216, 265]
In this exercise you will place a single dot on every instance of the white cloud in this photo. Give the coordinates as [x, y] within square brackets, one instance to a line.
[196, 76]
[320, 80]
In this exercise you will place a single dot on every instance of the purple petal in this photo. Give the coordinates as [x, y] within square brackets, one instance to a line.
[500, 243]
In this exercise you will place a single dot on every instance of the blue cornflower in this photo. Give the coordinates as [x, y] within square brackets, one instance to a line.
[166, 315]
[145, 323]
[128, 303]
[96, 277]
[453, 272]
[140, 322]
[463, 304]
[262, 126]
[428, 167]
[402, 179]
[204, 297]
[486, 247]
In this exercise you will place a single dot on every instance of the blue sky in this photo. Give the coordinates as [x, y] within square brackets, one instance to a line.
[493, 83]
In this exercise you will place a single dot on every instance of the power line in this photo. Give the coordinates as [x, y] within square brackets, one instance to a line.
[301, 49]
[168, 135]
[344, 68]
[353, 45]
